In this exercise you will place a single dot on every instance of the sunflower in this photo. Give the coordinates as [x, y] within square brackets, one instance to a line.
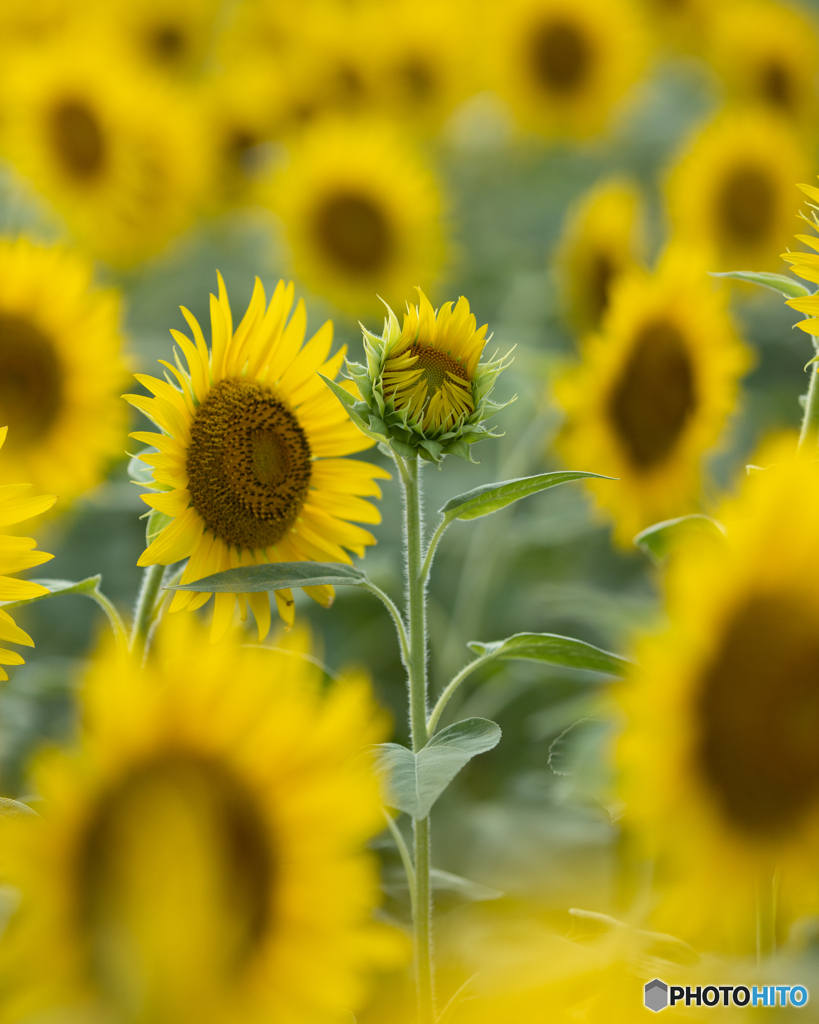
[249, 454]
[361, 212]
[767, 54]
[732, 191]
[563, 64]
[119, 155]
[719, 762]
[681, 24]
[16, 554]
[806, 265]
[653, 392]
[60, 369]
[603, 237]
[202, 859]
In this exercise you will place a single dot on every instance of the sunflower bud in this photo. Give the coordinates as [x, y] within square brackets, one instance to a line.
[424, 390]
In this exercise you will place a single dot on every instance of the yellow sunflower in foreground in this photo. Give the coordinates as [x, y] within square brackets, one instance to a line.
[201, 860]
[250, 454]
[732, 190]
[720, 753]
[60, 369]
[361, 213]
[768, 54]
[16, 554]
[653, 392]
[806, 265]
[118, 155]
[604, 237]
[563, 64]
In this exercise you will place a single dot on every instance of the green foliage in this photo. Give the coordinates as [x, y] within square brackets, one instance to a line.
[555, 650]
[480, 501]
[89, 587]
[776, 282]
[277, 576]
[659, 540]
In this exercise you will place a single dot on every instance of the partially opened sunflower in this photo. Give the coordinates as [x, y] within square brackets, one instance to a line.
[249, 458]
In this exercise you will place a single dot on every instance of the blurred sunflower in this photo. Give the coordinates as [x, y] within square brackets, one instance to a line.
[250, 455]
[361, 213]
[603, 237]
[720, 754]
[653, 392]
[202, 859]
[17, 554]
[60, 369]
[681, 24]
[806, 265]
[119, 156]
[768, 54]
[563, 64]
[732, 191]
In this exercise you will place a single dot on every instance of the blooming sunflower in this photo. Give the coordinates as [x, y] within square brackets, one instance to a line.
[732, 191]
[806, 265]
[117, 154]
[249, 454]
[16, 554]
[201, 860]
[563, 64]
[653, 391]
[60, 369]
[424, 385]
[603, 237]
[719, 757]
[767, 54]
[361, 213]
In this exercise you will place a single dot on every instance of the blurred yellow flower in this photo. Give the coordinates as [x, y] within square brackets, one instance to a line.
[61, 371]
[720, 754]
[117, 154]
[681, 24]
[768, 54]
[361, 212]
[563, 64]
[249, 455]
[201, 860]
[732, 191]
[16, 554]
[603, 237]
[653, 392]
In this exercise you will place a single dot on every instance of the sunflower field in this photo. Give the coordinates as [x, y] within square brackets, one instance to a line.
[409, 511]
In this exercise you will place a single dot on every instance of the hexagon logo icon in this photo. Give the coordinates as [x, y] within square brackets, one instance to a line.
[656, 995]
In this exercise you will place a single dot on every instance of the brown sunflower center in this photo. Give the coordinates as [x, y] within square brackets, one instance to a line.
[560, 56]
[435, 365]
[601, 277]
[77, 138]
[249, 464]
[175, 874]
[759, 715]
[352, 230]
[31, 381]
[746, 206]
[654, 395]
[416, 79]
[167, 43]
[777, 85]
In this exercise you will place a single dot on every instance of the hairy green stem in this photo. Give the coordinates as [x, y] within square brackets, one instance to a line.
[433, 544]
[144, 613]
[809, 435]
[400, 628]
[417, 672]
[406, 860]
[451, 687]
[117, 625]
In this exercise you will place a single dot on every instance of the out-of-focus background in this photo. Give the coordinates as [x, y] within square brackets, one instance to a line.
[521, 153]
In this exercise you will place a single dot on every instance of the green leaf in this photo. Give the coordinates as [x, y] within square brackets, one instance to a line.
[415, 781]
[491, 497]
[657, 541]
[140, 472]
[776, 282]
[556, 650]
[157, 521]
[88, 587]
[445, 881]
[14, 809]
[349, 403]
[248, 579]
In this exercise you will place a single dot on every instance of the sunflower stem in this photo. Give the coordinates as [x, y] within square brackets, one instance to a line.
[417, 672]
[144, 611]
[809, 435]
[452, 686]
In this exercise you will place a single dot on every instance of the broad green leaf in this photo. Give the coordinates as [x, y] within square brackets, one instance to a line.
[776, 282]
[14, 809]
[140, 472]
[556, 650]
[491, 497]
[444, 881]
[248, 579]
[657, 541]
[415, 781]
[157, 521]
[88, 587]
